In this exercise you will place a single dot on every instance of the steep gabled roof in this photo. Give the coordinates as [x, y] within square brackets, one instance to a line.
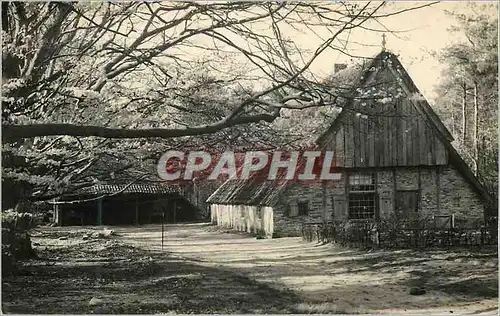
[363, 75]
[310, 122]
[390, 61]
[429, 112]
[442, 132]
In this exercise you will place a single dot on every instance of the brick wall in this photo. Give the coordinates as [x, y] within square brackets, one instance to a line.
[337, 204]
[428, 192]
[407, 178]
[385, 190]
[290, 225]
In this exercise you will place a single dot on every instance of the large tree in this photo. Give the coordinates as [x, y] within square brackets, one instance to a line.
[79, 76]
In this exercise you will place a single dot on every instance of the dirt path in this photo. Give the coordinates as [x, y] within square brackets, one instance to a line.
[203, 270]
[330, 279]
[72, 272]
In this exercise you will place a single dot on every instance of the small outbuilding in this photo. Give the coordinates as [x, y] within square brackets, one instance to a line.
[130, 204]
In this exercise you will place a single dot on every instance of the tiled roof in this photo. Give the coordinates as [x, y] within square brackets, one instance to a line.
[248, 192]
[100, 189]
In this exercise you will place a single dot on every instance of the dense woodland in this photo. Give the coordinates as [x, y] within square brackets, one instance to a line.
[468, 93]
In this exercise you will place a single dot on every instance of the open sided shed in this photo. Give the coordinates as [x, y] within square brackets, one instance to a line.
[132, 204]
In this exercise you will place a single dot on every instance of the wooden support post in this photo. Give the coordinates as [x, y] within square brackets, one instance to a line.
[438, 180]
[395, 189]
[345, 208]
[162, 228]
[323, 194]
[167, 210]
[99, 212]
[58, 216]
[136, 211]
[175, 210]
[419, 201]
[377, 197]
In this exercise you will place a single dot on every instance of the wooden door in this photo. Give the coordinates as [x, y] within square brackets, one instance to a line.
[406, 202]
[339, 208]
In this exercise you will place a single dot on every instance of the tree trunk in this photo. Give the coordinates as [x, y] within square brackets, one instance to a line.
[5, 16]
[452, 123]
[464, 113]
[483, 159]
[475, 130]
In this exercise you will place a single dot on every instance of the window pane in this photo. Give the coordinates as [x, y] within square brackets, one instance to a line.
[361, 179]
[362, 205]
[361, 182]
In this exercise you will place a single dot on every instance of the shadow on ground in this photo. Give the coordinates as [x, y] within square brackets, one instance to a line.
[64, 281]
[211, 272]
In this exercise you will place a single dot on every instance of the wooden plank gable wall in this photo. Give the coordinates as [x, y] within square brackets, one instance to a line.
[395, 133]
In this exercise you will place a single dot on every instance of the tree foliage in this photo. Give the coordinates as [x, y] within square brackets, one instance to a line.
[470, 86]
[79, 76]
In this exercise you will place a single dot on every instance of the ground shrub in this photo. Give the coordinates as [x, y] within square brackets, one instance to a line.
[16, 242]
[395, 232]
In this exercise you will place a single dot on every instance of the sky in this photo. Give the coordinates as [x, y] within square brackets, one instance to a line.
[426, 30]
[413, 36]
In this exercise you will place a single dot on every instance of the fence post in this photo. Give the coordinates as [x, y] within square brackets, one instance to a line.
[482, 236]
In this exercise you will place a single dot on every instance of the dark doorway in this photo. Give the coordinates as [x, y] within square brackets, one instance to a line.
[407, 202]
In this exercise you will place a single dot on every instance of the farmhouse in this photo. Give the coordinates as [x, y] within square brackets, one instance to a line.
[393, 152]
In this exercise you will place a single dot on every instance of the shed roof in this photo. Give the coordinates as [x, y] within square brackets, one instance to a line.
[111, 189]
[248, 192]
[257, 190]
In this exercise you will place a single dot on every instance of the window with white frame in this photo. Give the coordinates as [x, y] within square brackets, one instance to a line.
[362, 196]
